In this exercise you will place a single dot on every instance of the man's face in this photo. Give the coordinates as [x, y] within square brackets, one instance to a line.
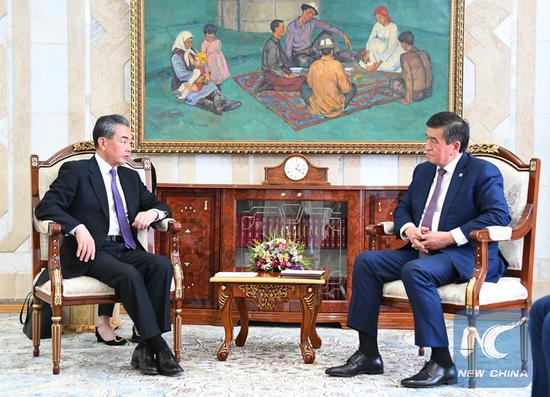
[280, 30]
[308, 14]
[438, 151]
[116, 149]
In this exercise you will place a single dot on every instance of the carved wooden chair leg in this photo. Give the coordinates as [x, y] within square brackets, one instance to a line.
[524, 340]
[472, 332]
[177, 332]
[36, 327]
[56, 343]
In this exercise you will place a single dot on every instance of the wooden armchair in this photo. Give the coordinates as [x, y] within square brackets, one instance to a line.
[516, 242]
[46, 242]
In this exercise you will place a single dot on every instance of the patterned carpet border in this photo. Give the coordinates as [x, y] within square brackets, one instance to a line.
[268, 365]
[290, 107]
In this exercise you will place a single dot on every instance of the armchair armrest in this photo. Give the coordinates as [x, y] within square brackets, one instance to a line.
[488, 235]
[165, 224]
[377, 232]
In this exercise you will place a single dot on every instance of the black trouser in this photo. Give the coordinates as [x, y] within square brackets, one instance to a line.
[142, 282]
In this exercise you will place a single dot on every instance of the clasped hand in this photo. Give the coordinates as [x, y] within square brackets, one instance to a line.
[425, 240]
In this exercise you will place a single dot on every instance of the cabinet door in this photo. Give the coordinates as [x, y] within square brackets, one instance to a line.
[196, 211]
[380, 208]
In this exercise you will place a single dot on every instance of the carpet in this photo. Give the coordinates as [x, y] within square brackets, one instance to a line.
[372, 90]
[269, 364]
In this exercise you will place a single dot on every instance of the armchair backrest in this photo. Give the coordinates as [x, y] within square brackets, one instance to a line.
[521, 187]
[44, 172]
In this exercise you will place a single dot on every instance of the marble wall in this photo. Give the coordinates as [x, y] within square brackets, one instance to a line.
[65, 62]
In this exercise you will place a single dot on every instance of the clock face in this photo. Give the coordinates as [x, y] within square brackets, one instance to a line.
[296, 168]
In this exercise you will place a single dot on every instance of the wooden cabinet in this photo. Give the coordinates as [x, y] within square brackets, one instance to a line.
[220, 223]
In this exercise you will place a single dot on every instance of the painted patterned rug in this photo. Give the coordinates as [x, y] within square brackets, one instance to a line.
[268, 365]
[372, 90]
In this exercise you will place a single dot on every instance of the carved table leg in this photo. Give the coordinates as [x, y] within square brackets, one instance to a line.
[313, 335]
[308, 309]
[225, 298]
[243, 312]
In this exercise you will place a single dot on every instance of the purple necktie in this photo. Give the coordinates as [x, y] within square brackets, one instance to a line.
[121, 215]
[429, 215]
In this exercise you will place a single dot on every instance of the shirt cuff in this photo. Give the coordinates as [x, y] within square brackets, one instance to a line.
[72, 232]
[160, 214]
[458, 236]
[403, 228]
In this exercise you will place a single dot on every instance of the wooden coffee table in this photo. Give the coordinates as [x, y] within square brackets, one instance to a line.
[268, 290]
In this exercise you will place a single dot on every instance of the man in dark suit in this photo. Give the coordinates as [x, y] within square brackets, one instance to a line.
[450, 195]
[100, 205]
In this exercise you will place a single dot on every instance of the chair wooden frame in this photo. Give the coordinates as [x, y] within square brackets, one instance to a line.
[56, 299]
[523, 229]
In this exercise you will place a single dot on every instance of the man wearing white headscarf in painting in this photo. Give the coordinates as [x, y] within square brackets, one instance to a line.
[209, 97]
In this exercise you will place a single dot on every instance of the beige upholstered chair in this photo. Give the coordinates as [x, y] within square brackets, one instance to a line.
[516, 242]
[46, 239]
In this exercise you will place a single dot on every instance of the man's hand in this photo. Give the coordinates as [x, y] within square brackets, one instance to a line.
[347, 42]
[437, 240]
[86, 244]
[144, 219]
[415, 235]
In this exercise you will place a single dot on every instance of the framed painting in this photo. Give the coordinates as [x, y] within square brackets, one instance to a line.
[279, 76]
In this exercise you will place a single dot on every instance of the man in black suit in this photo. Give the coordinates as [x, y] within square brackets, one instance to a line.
[100, 206]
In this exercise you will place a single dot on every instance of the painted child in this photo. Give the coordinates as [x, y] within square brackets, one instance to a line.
[219, 71]
[197, 80]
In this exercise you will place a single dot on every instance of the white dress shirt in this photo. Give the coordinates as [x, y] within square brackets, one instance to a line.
[457, 234]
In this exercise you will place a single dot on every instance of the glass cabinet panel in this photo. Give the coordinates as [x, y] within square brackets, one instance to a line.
[321, 226]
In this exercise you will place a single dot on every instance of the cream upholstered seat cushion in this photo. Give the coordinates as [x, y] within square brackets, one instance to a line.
[506, 289]
[80, 286]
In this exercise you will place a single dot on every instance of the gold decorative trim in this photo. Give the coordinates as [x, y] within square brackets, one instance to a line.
[178, 278]
[223, 297]
[533, 165]
[85, 146]
[34, 161]
[310, 300]
[483, 148]
[470, 293]
[57, 287]
[267, 296]
[308, 354]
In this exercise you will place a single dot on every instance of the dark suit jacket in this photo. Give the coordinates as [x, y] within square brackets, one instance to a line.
[78, 196]
[475, 200]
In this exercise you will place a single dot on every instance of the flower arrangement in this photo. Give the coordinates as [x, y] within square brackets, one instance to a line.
[277, 254]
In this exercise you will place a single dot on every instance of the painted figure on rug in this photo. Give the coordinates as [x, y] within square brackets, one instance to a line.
[328, 90]
[299, 46]
[212, 46]
[275, 63]
[197, 80]
[415, 83]
[209, 97]
[382, 51]
[450, 194]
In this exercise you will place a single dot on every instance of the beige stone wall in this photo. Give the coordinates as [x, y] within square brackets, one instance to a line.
[499, 103]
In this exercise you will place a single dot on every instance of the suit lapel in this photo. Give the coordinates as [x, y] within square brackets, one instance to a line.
[456, 180]
[96, 180]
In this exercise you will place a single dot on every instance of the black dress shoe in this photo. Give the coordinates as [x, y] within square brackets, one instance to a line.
[118, 341]
[431, 375]
[144, 360]
[167, 364]
[358, 364]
